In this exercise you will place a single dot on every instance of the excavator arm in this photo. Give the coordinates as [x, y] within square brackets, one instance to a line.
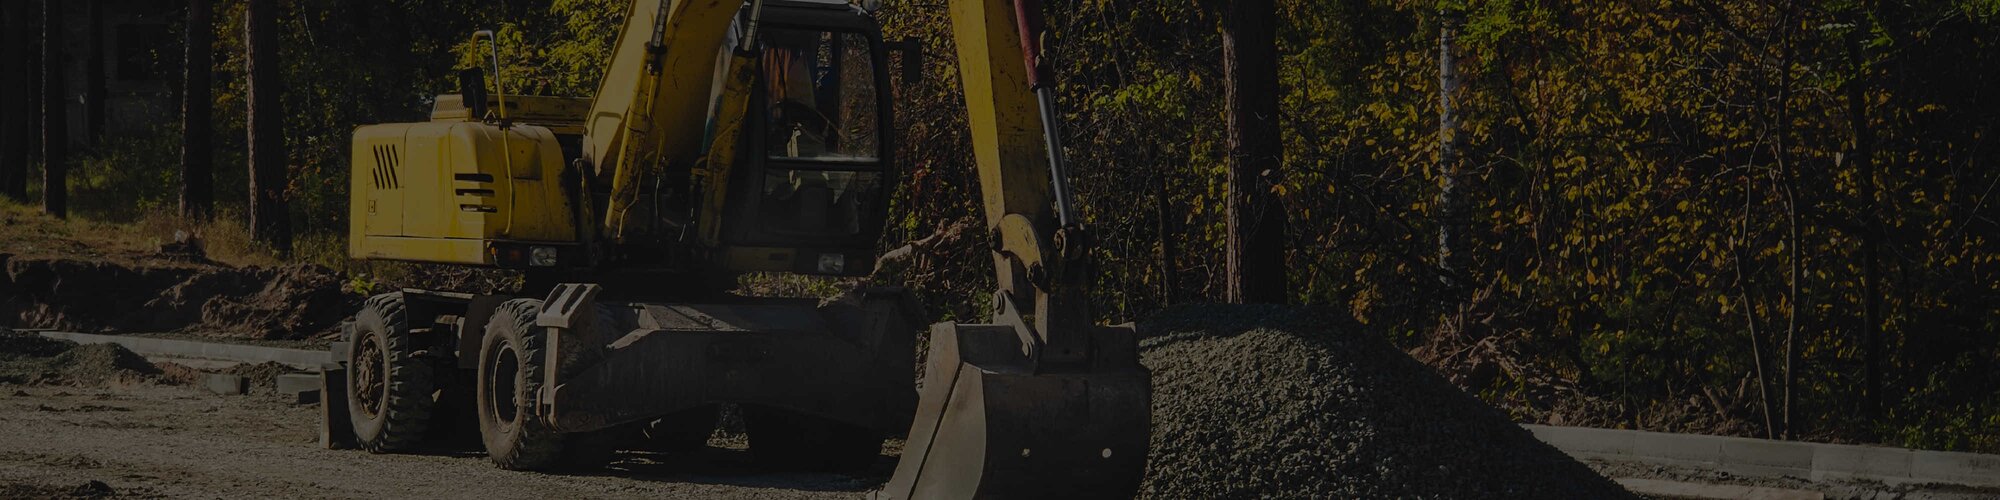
[1042, 402]
[647, 121]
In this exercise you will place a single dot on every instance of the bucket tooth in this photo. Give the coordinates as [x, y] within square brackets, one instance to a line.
[988, 426]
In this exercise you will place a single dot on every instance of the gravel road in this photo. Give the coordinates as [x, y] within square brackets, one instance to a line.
[156, 441]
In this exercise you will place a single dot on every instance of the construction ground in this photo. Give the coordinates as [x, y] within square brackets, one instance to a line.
[1248, 402]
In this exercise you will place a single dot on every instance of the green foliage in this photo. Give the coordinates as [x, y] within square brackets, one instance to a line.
[1631, 201]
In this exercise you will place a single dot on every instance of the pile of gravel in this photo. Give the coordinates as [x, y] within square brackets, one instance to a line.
[1263, 402]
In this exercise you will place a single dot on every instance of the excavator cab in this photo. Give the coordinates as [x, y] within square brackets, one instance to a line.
[816, 160]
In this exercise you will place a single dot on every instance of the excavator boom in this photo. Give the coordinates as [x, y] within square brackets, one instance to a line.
[639, 126]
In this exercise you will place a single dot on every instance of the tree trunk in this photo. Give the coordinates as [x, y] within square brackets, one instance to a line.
[55, 123]
[93, 73]
[16, 118]
[1169, 252]
[1256, 221]
[1738, 250]
[31, 134]
[269, 219]
[197, 162]
[1863, 158]
[1450, 213]
[1788, 179]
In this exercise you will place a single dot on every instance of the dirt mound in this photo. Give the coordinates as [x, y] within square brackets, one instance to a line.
[89, 489]
[290, 302]
[263, 377]
[178, 374]
[27, 358]
[286, 302]
[1253, 402]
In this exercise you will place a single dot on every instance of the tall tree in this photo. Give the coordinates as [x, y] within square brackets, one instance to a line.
[1256, 244]
[197, 159]
[93, 72]
[31, 134]
[16, 119]
[55, 126]
[1450, 206]
[269, 219]
[1862, 157]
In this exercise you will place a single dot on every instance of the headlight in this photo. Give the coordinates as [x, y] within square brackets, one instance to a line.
[832, 263]
[542, 257]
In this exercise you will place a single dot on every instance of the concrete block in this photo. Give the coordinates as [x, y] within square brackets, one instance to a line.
[1576, 440]
[223, 383]
[303, 388]
[1969, 469]
[1764, 457]
[1677, 489]
[1835, 461]
[1678, 447]
[336, 431]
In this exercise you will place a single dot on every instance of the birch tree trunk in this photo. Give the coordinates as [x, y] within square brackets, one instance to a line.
[1450, 212]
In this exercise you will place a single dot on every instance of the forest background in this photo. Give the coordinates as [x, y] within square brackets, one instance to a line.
[1769, 218]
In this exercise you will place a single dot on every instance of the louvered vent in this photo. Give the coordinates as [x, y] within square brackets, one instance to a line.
[387, 158]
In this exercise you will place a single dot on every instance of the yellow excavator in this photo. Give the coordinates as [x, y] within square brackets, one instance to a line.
[731, 137]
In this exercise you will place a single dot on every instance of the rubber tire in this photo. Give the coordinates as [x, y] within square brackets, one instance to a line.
[407, 394]
[528, 442]
[525, 443]
[786, 440]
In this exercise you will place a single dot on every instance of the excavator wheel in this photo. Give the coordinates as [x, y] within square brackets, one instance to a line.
[511, 359]
[786, 440]
[389, 389]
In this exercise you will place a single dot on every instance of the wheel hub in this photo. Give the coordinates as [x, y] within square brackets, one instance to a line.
[503, 384]
[370, 376]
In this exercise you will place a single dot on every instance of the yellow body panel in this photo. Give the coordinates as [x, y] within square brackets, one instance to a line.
[442, 191]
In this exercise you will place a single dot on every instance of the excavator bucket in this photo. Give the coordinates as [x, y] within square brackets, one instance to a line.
[988, 426]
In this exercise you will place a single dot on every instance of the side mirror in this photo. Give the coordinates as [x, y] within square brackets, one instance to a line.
[472, 90]
[912, 49]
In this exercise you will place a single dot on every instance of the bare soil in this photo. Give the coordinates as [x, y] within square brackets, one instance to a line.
[289, 302]
[98, 421]
[156, 441]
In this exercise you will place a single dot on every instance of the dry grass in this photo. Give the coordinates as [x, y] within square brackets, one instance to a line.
[25, 231]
